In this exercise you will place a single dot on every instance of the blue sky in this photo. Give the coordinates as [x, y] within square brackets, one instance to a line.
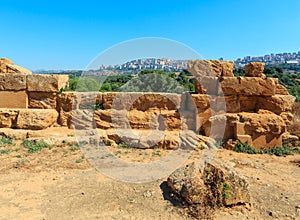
[70, 34]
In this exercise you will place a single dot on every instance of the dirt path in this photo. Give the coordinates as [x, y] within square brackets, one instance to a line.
[55, 184]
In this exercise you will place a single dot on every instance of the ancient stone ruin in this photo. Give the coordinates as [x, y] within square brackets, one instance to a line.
[253, 109]
[258, 109]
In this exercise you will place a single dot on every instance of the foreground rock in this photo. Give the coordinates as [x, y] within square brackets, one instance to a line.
[204, 190]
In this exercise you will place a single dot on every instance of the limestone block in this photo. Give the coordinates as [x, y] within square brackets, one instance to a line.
[202, 118]
[103, 119]
[248, 103]
[221, 126]
[65, 118]
[213, 68]
[7, 66]
[262, 124]
[66, 101]
[88, 100]
[244, 139]
[13, 82]
[229, 86]
[8, 117]
[207, 85]
[229, 104]
[254, 86]
[239, 129]
[163, 101]
[227, 68]
[200, 101]
[46, 83]
[267, 141]
[11, 99]
[276, 103]
[280, 89]
[140, 101]
[255, 69]
[36, 119]
[42, 100]
[205, 68]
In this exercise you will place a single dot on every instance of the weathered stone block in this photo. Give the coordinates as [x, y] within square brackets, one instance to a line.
[204, 189]
[276, 103]
[8, 118]
[227, 68]
[202, 118]
[221, 126]
[42, 100]
[205, 68]
[46, 83]
[141, 101]
[239, 129]
[248, 103]
[244, 139]
[200, 101]
[229, 86]
[66, 101]
[7, 66]
[207, 85]
[163, 101]
[10, 99]
[280, 89]
[14, 82]
[229, 104]
[250, 86]
[267, 141]
[255, 69]
[103, 119]
[88, 100]
[213, 68]
[36, 119]
[262, 124]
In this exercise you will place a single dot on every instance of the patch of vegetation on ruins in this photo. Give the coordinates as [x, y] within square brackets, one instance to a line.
[277, 151]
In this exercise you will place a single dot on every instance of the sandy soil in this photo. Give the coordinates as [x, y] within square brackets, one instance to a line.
[58, 183]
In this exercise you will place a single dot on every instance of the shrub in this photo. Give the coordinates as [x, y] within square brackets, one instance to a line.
[34, 146]
[245, 148]
[6, 141]
[278, 151]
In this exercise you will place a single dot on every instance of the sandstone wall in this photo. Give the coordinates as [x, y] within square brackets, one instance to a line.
[253, 108]
[29, 101]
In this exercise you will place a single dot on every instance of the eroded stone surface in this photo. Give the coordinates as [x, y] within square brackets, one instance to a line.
[36, 119]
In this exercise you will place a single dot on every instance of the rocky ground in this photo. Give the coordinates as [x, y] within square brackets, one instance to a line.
[58, 183]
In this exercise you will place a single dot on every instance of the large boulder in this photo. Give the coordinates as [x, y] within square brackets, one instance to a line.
[205, 189]
[7, 66]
